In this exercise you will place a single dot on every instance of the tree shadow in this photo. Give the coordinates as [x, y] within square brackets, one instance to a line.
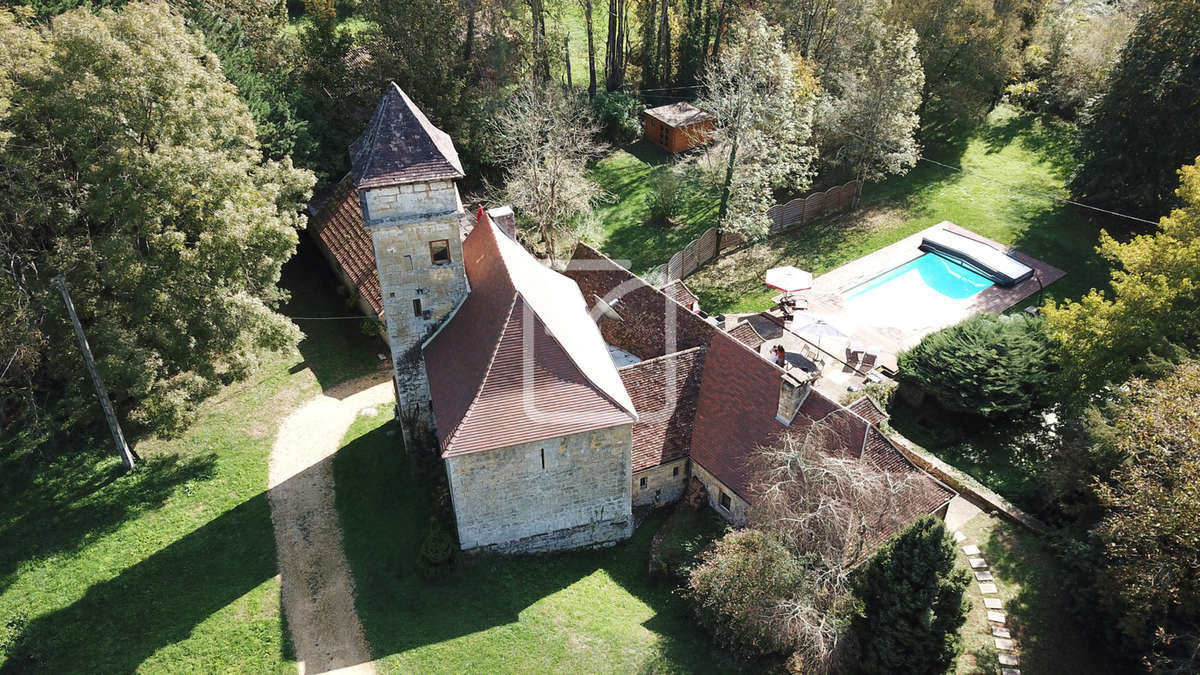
[384, 507]
[80, 497]
[649, 153]
[336, 351]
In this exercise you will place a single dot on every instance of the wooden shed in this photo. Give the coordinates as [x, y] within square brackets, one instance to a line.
[678, 126]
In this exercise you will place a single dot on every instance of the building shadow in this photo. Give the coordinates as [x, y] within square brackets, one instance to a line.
[337, 350]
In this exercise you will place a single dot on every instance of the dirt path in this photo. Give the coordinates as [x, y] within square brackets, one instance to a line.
[317, 586]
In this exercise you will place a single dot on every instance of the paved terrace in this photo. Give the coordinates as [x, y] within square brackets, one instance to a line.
[826, 300]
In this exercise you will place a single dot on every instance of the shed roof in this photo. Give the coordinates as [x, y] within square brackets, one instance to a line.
[400, 145]
[521, 359]
[679, 114]
[338, 227]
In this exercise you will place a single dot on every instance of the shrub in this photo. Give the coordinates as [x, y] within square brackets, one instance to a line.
[618, 115]
[439, 553]
[667, 197]
[987, 365]
[911, 603]
[684, 535]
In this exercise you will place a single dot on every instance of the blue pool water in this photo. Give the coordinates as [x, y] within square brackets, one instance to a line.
[946, 277]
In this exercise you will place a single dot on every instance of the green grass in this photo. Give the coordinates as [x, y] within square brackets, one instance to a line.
[170, 568]
[592, 611]
[1014, 147]
[684, 535]
[628, 176]
[1049, 639]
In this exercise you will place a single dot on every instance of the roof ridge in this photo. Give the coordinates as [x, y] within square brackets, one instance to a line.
[664, 356]
[450, 434]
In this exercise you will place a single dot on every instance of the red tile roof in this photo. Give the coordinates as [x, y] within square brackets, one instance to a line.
[868, 410]
[746, 334]
[488, 389]
[921, 494]
[664, 391]
[401, 145]
[680, 293]
[338, 228]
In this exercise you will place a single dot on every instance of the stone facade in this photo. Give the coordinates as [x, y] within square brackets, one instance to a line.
[568, 492]
[661, 485]
[420, 284]
[737, 512]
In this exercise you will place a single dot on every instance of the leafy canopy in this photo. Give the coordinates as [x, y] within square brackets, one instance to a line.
[1154, 301]
[134, 171]
[987, 365]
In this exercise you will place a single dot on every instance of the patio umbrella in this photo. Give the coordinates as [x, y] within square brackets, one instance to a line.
[789, 279]
[813, 325]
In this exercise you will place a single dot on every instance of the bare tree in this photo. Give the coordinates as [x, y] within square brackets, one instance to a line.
[545, 138]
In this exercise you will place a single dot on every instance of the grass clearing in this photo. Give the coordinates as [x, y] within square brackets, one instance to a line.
[1049, 638]
[1027, 154]
[589, 611]
[172, 567]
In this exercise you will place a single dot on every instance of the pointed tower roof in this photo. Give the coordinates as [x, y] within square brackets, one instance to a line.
[401, 145]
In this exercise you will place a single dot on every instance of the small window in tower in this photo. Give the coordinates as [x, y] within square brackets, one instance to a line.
[725, 503]
[439, 252]
[642, 483]
[416, 307]
[675, 471]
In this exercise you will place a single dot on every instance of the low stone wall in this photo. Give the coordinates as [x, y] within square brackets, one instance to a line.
[966, 486]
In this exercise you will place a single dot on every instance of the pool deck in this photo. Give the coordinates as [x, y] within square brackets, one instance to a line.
[825, 299]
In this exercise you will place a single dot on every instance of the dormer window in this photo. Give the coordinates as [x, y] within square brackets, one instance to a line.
[791, 395]
[439, 252]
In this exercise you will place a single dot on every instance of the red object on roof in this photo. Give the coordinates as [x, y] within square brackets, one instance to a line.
[664, 391]
[338, 228]
[401, 145]
[520, 360]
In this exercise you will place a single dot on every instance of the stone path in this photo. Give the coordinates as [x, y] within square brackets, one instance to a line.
[317, 589]
[1006, 646]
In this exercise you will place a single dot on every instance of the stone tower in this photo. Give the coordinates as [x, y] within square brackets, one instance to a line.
[404, 170]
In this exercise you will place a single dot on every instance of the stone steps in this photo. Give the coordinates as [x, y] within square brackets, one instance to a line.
[1006, 646]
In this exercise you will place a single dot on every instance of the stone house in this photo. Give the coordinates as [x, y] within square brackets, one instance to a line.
[513, 367]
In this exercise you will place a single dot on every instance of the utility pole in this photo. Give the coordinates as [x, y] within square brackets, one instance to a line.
[115, 426]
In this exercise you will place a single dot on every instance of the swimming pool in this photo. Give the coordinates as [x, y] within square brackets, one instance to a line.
[916, 294]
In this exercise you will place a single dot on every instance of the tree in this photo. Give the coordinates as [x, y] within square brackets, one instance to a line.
[545, 138]
[1142, 129]
[587, 17]
[1154, 301]
[869, 122]
[615, 54]
[988, 365]
[968, 49]
[762, 98]
[912, 603]
[1149, 579]
[133, 170]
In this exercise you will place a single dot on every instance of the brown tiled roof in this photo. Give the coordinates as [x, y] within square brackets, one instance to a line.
[681, 294]
[338, 228]
[401, 145]
[746, 334]
[866, 408]
[483, 396]
[679, 114]
[923, 494]
[664, 391]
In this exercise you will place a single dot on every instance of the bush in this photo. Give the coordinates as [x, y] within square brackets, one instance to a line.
[439, 553]
[987, 365]
[618, 115]
[667, 198]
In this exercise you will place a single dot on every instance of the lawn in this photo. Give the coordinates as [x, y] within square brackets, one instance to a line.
[1049, 638]
[170, 568]
[591, 611]
[1026, 153]
[628, 176]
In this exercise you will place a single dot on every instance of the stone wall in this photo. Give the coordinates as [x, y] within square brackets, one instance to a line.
[568, 492]
[411, 200]
[738, 512]
[664, 484]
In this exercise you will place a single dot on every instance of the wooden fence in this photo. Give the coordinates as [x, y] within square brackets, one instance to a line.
[783, 217]
[803, 209]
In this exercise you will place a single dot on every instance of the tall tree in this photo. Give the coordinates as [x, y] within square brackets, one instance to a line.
[762, 98]
[544, 140]
[152, 200]
[1154, 301]
[1143, 128]
[615, 48]
[912, 603]
[587, 17]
